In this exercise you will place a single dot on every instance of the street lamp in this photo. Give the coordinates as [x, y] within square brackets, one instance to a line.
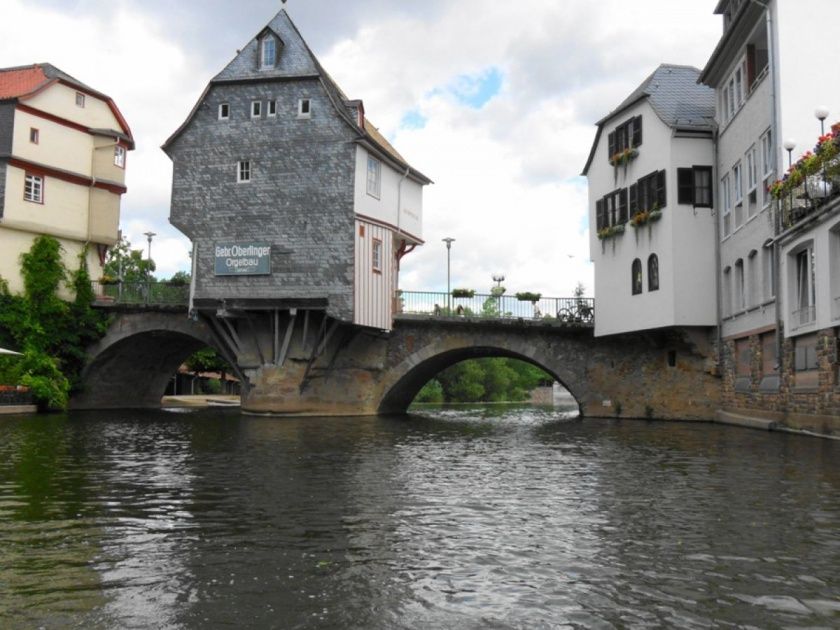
[790, 145]
[448, 242]
[498, 278]
[821, 113]
[149, 236]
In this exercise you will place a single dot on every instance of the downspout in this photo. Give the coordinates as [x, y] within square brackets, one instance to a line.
[774, 126]
[719, 267]
[399, 226]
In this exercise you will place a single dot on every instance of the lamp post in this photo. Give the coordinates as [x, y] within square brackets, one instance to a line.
[821, 113]
[149, 235]
[790, 145]
[498, 278]
[448, 242]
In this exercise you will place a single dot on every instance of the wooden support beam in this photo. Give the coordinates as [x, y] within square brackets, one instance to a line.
[280, 358]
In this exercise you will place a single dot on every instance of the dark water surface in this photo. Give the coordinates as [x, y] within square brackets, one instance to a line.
[496, 518]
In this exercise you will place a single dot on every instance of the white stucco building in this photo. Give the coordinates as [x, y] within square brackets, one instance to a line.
[651, 199]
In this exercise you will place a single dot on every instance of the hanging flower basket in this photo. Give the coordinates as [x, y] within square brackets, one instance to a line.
[643, 217]
[527, 296]
[609, 232]
[623, 158]
[463, 293]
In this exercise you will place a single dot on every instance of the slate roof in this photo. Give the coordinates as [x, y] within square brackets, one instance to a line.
[675, 96]
[295, 60]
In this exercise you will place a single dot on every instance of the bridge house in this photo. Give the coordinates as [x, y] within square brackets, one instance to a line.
[650, 173]
[63, 153]
[293, 200]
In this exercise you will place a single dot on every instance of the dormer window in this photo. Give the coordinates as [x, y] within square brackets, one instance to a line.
[268, 52]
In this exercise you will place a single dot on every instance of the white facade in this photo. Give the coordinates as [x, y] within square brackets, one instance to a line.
[389, 222]
[682, 240]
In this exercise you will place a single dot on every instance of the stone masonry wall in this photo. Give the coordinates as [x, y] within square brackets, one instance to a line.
[300, 199]
[814, 408]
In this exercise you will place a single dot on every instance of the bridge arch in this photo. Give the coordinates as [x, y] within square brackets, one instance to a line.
[405, 379]
[132, 364]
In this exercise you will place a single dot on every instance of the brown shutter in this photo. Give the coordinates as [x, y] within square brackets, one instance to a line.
[634, 199]
[750, 65]
[600, 223]
[660, 189]
[685, 186]
[637, 131]
[622, 206]
[611, 150]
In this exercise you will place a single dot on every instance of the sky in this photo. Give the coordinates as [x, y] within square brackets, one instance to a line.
[494, 101]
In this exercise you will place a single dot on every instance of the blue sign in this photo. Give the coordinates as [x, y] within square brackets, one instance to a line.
[243, 259]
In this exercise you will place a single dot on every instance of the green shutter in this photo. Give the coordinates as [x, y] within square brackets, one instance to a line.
[685, 186]
[599, 215]
[660, 189]
[634, 199]
[637, 131]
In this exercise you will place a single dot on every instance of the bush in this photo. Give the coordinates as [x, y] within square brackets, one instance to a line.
[432, 392]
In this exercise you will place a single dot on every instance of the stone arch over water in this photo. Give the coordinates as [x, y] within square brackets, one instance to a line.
[406, 378]
[131, 366]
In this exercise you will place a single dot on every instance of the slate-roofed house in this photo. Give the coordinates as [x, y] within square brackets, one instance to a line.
[63, 148]
[650, 173]
[292, 199]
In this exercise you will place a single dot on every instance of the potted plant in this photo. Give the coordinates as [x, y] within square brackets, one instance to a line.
[463, 293]
[527, 296]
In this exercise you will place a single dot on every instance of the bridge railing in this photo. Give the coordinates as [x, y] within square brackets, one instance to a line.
[168, 293]
[579, 310]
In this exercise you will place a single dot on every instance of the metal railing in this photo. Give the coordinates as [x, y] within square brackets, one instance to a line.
[158, 293]
[579, 310]
[808, 197]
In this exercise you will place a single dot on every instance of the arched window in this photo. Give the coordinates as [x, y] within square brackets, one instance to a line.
[653, 272]
[268, 57]
[637, 276]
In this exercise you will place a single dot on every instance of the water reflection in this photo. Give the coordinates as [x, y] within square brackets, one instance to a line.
[470, 518]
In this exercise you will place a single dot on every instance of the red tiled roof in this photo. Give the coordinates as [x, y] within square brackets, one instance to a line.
[16, 82]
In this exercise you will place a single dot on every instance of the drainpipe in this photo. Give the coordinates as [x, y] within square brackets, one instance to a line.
[775, 126]
[399, 217]
[718, 267]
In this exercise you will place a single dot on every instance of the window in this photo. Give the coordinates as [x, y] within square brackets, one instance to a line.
[34, 135]
[626, 136]
[727, 291]
[653, 272]
[33, 188]
[304, 108]
[119, 156]
[611, 209]
[752, 279]
[224, 111]
[256, 109]
[272, 107]
[694, 186]
[268, 57]
[740, 296]
[733, 94]
[767, 163]
[377, 255]
[374, 172]
[650, 192]
[726, 204]
[768, 271]
[636, 276]
[80, 99]
[737, 183]
[805, 298]
[243, 171]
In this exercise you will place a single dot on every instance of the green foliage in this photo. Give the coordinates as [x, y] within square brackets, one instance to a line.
[580, 290]
[128, 264]
[463, 293]
[528, 296]
[432, 392]
[212, 386]
[488, 380]
[53, 333]
[207, 360]
[180, 278]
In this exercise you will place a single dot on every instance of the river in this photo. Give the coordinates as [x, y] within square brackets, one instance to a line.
[496, 517]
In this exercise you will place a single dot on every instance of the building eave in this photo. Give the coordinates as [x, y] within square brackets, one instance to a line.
[730, 42]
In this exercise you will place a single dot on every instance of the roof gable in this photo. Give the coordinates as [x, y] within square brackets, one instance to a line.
[294, 59]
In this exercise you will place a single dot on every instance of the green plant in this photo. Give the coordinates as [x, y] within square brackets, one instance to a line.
[463, 293]
[527, 296]
[610, 231]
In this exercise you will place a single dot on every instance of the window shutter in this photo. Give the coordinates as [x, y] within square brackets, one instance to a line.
[622, 206]
[660, 189]
[750, 65]
[599, 215]
[637, 131]
[634, 199]
[685, 186]
[611, 150]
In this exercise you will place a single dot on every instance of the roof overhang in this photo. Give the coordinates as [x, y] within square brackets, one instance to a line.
[381, 153]
[730, 44]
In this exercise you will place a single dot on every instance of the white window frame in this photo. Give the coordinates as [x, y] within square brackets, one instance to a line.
[738, 182]
[256, 109]
[33, 188]
[752, 168]
[80, 99]
[224, 111]
[374, 177]
[271, 108]
[304, 108]
[264, 46]
[243, 172]
[768, 166]
[119, 156]
[34, 135]
[726, 204]
[376, 255]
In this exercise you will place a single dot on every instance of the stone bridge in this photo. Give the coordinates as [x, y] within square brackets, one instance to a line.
[320, 367]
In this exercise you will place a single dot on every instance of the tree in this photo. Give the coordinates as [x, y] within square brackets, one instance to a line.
[128, 264]
[487, 380]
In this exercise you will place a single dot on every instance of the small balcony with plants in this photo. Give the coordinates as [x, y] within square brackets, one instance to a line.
[811, 184]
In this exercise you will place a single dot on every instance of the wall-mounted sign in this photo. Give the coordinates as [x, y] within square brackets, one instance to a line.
[243, 259]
